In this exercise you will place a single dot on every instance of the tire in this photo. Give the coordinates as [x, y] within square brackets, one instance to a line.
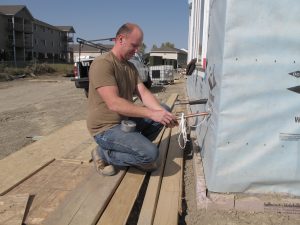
[148, 83]
[86, 92]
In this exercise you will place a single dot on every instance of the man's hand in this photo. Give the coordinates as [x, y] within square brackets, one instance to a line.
[164, 117]
[172, 124]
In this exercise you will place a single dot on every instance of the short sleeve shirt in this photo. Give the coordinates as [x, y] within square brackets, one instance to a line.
[107, 70]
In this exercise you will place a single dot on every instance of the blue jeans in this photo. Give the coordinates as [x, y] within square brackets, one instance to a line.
[121, 148]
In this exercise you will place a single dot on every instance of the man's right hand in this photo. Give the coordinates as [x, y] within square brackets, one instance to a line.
[164, 117]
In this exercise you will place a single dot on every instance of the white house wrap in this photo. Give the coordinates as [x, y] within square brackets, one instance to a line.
[251, 141]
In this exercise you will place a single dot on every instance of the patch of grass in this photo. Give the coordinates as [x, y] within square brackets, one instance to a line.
[37, 69]
[16, 71]
[62, 68]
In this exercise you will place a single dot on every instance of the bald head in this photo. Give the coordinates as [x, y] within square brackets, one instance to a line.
[127, 28]
[129, 38]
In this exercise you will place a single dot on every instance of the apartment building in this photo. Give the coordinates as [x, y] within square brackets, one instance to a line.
[24, 38]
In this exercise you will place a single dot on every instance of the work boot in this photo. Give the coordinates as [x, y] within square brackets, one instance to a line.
[148, 167]
[101, 166]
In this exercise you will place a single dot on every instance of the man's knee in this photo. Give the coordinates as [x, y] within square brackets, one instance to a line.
[151, 154]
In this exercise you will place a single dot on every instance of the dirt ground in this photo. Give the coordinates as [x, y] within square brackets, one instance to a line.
[32, 108]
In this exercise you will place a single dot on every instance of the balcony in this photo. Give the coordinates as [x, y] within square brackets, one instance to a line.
[28, 45]
[19, 43]
[28, 28]
[70, 39]
[67, 39]
[19, 27]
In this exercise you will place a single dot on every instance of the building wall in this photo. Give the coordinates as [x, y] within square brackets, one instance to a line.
[250, 141]
[33, 39]
[48, 43]
[182, 59]
[3, 31]
[165, 55]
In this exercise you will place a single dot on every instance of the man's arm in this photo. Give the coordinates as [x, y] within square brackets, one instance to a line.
[148, 99]
[153, 110]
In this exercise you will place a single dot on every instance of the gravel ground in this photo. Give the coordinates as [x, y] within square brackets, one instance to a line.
[30, 108]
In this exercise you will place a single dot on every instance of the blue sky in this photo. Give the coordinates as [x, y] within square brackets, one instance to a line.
[161, 20]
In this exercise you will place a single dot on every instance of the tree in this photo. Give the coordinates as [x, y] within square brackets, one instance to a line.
[167, 44]
[142, 49]
[154, 46]
[163, 45]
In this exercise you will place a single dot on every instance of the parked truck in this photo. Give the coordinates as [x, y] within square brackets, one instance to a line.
[82, 65]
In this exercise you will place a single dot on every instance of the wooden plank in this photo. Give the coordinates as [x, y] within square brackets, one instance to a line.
[183, 108]
[150, 200]
[171, 100]
[81, 153]
[49, 187]
[119, 208]
[85, 204]
[169, 197]
[12, 209]
[22, 164]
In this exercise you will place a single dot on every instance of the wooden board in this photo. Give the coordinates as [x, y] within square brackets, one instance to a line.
[119, 208]
[49, 187]
[12, 209]
[20, 165]
[171, 100]
[86, 203]
[81, 153]
[150, 200]
[169, 197]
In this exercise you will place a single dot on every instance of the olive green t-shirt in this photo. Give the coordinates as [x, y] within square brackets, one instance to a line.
[107, 70]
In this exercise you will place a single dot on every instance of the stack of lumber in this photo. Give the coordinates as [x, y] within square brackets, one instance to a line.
[53, 181]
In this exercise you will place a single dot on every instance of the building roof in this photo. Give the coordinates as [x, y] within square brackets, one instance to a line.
[38, 22]
[68, 29]
[168, 49]
[13, 10]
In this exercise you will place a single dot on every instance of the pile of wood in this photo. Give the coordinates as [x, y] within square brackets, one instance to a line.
[53, 181]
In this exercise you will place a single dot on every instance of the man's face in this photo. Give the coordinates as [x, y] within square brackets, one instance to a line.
[130, 43]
